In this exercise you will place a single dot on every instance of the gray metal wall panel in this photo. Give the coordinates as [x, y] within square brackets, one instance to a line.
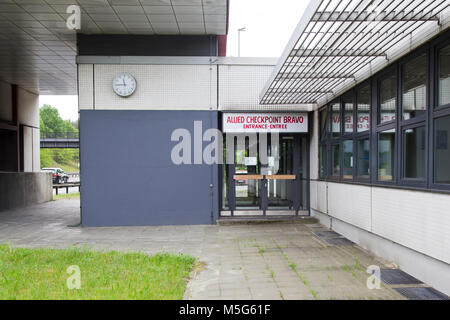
[127, 174]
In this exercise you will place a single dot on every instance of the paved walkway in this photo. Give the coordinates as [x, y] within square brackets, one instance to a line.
[256, 261]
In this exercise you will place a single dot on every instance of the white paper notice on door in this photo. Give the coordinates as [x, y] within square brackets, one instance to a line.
[250, 161]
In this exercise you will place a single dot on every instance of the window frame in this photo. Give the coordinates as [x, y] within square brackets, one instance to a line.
[404, 181]
[435, 111]
[427, 120]
[437, 48]
[357, 176]
[342, 158]
[379, 77]
[402, 62]
[333, 177]
[378, 128]
[360, 86]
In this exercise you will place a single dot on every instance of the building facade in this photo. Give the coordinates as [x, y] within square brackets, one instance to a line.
[371, 163]
[129, 177]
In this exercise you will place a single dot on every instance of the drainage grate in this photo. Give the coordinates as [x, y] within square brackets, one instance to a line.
[327, 234]
[314, 225]
[421, 293]
[338, 241]
[396, 276]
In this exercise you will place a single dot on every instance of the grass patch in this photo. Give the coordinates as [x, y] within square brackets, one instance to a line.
[75, 195]
[42, 274]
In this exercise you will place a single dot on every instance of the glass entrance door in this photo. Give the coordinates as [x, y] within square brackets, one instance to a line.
[247, 177]
[280, 173]
[273, 186]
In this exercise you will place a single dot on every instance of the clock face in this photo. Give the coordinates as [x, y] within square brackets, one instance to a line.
[124, 84]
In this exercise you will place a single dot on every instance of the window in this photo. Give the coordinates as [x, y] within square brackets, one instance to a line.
[394, 128]
[414, 153]
[347, 102]
[335, 120]
[323, 161]
[386, 155]
[363, 164]
[388, 97]
[348, 159]
[363, 108]
[335, 155]
[414, 80]
[444, 76]
[442, 150]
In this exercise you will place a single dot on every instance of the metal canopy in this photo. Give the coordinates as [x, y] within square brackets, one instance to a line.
[339, 43]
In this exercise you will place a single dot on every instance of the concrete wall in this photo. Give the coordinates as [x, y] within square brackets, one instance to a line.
[18, 189]
[128, 175]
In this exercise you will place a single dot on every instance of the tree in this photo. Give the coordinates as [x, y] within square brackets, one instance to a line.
[52, 124]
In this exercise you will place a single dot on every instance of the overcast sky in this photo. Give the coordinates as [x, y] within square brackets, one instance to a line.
[269, 25]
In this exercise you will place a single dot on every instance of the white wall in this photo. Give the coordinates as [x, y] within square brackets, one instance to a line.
[159, 87]
[227, 84]
[28, 106]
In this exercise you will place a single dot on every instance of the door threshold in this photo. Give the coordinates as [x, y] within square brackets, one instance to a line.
[265, 219]
[260, 213]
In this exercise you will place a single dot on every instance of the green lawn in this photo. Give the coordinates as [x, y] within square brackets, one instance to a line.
[42, 274]
[75, 195]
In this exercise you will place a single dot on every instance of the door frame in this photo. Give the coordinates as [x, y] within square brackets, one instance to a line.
[262, 184]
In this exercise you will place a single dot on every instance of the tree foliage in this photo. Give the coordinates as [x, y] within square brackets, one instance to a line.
[52, 123]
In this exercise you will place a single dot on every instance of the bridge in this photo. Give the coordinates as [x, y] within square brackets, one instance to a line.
[60, 140]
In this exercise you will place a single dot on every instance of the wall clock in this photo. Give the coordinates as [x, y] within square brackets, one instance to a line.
[124, 84]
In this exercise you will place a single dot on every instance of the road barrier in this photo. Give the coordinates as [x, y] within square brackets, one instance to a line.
[67, 186]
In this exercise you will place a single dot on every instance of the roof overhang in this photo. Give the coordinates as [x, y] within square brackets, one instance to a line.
[338, 44]
[37, 50]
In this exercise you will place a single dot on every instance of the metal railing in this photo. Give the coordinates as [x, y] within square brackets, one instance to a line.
[59, 135]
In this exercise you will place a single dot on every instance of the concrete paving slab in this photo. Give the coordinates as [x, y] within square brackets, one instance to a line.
[283, 260]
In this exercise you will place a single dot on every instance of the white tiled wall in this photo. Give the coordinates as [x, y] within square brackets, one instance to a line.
[418, 220]
[85, 86]
[414, 219]
[322, 197]
[350, 203]
[313, 194]
[159, 87]
[178, 87]
[240, 86]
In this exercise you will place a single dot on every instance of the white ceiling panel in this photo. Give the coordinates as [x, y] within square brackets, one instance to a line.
[37, 50]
